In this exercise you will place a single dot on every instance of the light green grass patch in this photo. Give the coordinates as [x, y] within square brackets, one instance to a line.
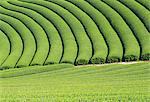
[109, 83]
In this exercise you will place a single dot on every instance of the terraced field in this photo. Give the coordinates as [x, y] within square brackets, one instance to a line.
[42, 32]
[49, 40]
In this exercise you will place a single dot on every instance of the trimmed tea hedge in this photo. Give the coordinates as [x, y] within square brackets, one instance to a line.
[139, 10]
[145, 3]
[85, 49]
[27, 38]
[39, 34]
[99, 49]
[16, 45]
[4, 47]
[70, 46]
[43, 32]
[131, 47]
[104, 26]
[136, 25]
[55, 43]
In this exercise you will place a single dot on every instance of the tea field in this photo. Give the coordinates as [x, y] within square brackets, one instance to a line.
[74, 50]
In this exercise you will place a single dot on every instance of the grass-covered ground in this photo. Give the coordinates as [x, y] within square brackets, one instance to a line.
[66, 83]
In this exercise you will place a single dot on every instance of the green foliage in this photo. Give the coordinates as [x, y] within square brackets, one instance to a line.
[84, 45]
[4, 47]
[135, 24]
[139, 10]
[145, 57]
[98, 60]
[69, 44]
[130, 58]
[38, 33]
[16, 45]
[120, 27]
[85, 49]
[108, 32]
[52, 33]
[145, 3]
[27, 38]
[82, 62]
[99, 49]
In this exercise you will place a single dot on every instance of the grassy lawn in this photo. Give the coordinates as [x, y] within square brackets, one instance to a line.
[66, 83]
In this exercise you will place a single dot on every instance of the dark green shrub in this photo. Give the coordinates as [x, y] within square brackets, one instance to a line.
[130, 58]
[98, 61]
[84, 44]
[82, 62]
[113, 59]
[145, 57]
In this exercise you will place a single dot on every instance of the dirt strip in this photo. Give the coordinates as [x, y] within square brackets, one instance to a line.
[134, 62]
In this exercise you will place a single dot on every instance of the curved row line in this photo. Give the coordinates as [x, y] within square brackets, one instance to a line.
[99, 49]
[27, 38]
[76, 32]
[62, 27]
[4, 46]
[139, 10]
[37, 31]
[16, 45]
[131, 50]
[53, 36]
[107, 31]
[135, 24]
[85, 49]
[145, 3]
[129, 56]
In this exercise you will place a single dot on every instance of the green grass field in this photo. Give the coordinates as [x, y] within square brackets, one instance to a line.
[65, 83]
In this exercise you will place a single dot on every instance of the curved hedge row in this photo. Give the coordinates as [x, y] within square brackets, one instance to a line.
[27, 38]
[42, 32]
[139, 10]
[39, 34]
[99, 49]
[145, 3]
[85, 49]
[104, 26]
[4, 47]
[52, 33]
[16, 45]
[136, 25]
[70, 46]
[131, 48]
